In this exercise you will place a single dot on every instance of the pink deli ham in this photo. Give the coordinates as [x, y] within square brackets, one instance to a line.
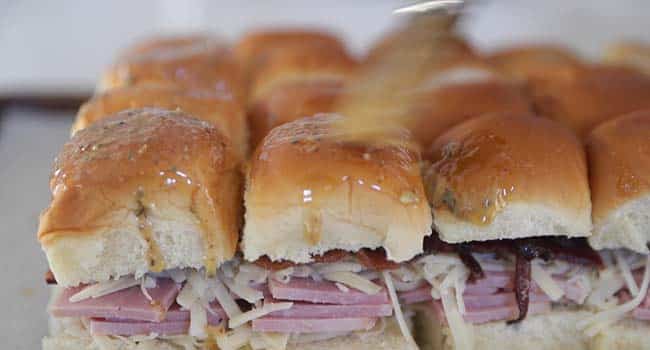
[491, 314]
[312, 325]
[128, 303]
[305, 289]
[307, 310]
[178, 323]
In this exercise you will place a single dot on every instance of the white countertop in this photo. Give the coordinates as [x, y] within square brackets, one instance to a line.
[29, 140]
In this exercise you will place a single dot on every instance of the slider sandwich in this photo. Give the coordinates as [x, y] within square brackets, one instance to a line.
[289, 102]
[508, 266]
[619, 171]
[535, 61]
[296, 83]
[453, 92]
[146, 207]
[588, 95]
[224, 113]
[330, 225]
[255, 47]
[192, 62]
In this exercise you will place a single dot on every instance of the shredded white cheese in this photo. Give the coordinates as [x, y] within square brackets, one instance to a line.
[284, 275]
[545, 281]
[626, 273]
[255, 313]
[353, 280]
[251, 274]
[605, 287]
[338, 266]
[593, 325]
[104, 288]
[147, 282]
[399, 316]
[342, 287]
[198, 321]
[234, 339]
[226, 300]
[461, 332]
[244, 291]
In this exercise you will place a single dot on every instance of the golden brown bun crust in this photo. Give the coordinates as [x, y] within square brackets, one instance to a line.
[288, 66]
[317, 192]
[195, 62]
[525, 62]
[438, 110]
[629, 53]
[223, 112]
[145, 158]
[492, 163]
[290, 102]
[255, 46]
[591, 95]
[619, 162]
[450, 43]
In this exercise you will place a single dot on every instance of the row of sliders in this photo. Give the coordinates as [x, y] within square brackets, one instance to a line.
[150, 248]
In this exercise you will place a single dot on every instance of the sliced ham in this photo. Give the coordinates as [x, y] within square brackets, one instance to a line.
[307, 310]
[175, 326]
[312, 325]
[128, 303]
[501, 313]
[305, 289]
[478, 302]
[493, 279]
[641, 313]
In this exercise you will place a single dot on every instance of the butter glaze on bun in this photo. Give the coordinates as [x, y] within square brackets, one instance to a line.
[144, 190]
[590, 95]
[290, 102]
[222, 112]
[619, 171]
[193, 62]
[310, 191]
[505, 176]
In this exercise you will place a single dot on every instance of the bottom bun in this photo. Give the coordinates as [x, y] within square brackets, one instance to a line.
[629, 335]
[71, 334]
[551, 331]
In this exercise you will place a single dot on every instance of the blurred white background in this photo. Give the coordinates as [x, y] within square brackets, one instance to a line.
[63, 45]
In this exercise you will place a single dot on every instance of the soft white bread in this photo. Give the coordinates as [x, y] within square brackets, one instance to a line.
[505, 176]
[221, 111]
[74, 336]
[310, 190]
[193, 62]
[144, 190]
[628, 334]
[619, 171]
[555, 330]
